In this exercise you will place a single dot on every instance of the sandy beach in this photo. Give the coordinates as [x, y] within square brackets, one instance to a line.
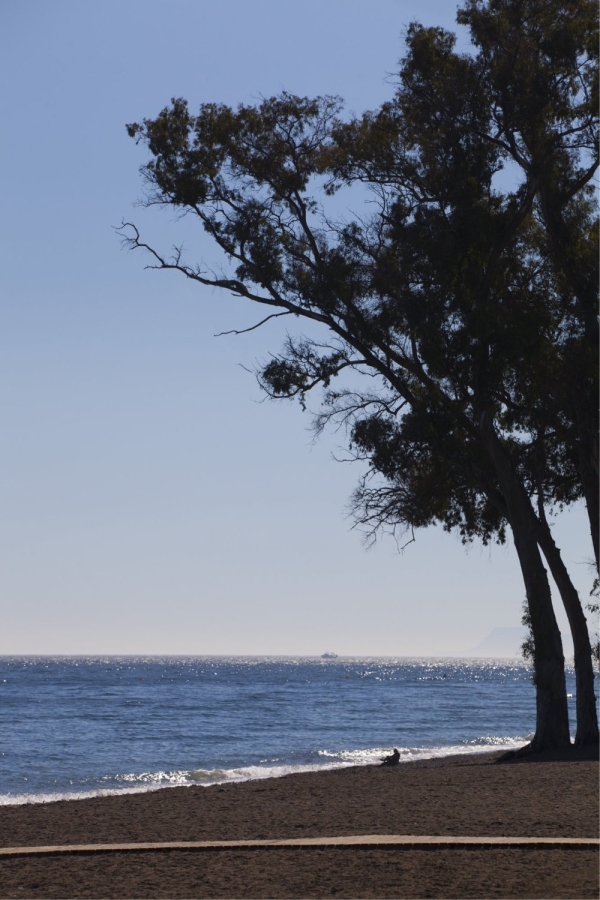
[468, 796]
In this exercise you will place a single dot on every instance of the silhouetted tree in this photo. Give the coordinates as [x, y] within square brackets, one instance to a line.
[463, 301]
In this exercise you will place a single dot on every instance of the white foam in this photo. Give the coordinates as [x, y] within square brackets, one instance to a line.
[410, 754]
[143, 782]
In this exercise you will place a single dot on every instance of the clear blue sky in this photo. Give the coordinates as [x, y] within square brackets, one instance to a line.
[150, 503]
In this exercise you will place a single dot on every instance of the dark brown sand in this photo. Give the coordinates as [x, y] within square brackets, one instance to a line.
[471, 796]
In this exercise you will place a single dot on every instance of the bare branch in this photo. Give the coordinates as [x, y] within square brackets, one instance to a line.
[253, 327]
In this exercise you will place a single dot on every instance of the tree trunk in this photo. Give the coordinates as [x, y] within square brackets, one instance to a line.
[552, 719]
[587, 717]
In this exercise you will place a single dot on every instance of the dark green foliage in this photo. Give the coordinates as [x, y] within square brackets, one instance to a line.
[594, 608]
[432, 471]
[528, 645]
[479, 299]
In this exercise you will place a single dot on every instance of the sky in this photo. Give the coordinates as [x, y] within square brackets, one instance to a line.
[151, 501]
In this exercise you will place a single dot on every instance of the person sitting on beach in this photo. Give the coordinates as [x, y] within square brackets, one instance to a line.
[392, 760]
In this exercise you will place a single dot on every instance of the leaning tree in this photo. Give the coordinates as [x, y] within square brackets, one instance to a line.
[460, 301]
[536, 67]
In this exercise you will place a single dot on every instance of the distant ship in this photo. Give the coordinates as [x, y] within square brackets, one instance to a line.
[329, 656]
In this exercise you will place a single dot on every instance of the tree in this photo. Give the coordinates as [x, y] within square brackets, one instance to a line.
[548, 126]
[540, 85]
[446, 300]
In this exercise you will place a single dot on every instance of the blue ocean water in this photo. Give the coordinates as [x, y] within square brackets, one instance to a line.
[86, 726]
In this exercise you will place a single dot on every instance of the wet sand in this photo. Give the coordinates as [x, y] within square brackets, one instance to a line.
[470, 796]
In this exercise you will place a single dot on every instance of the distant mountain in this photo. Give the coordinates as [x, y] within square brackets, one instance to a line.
[507, 642]
[501, 642]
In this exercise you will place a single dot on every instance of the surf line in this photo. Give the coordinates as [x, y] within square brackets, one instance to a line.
[356, 841]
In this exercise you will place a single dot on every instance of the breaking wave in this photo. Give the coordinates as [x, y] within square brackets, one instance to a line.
[142, 782]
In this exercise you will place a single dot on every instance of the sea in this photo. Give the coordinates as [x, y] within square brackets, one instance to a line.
[92, 726]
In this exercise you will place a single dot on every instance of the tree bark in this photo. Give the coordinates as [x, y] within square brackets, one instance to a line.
[552, 719]
[587, 717]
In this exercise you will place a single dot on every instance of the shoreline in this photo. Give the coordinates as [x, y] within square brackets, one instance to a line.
[270, 772]
[469, 796]
[554, 774]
